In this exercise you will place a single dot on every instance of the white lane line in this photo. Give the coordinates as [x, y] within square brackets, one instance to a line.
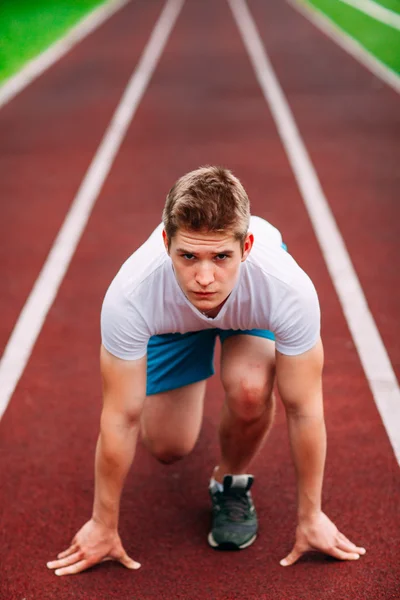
[348, 43]
[32, 316]
[372, 352]
[376, 11]
[35, 67]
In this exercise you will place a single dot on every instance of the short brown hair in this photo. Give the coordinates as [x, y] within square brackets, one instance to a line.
[210, 199]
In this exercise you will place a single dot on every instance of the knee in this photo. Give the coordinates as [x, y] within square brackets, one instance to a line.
[248, 398]
[167, 453]
[168, 458]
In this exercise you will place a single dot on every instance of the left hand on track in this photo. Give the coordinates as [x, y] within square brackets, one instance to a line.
[319, 533]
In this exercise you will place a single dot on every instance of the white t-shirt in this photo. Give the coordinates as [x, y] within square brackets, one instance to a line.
[272, 292]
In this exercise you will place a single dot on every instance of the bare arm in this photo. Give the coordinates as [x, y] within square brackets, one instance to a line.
[124, 392]
[300, 386]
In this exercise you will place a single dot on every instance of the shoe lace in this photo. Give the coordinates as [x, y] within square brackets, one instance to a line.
[234, 505]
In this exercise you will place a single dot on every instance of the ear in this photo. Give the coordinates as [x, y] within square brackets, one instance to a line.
[165, 239]
[247, 246]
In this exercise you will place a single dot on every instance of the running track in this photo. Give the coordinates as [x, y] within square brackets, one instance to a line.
[203, 106]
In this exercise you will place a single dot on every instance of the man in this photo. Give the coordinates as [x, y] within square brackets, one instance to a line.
[210, 270]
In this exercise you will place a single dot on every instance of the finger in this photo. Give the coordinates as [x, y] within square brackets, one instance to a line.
[355, 548]
[128, 562]
[342, 554]
[73, 548]
[75, 568]
[291, 558]
[64, 562]
[349, 547]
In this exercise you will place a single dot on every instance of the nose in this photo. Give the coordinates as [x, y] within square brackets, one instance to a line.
[204, 274]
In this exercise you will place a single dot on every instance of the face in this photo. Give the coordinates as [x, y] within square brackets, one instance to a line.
[206, 265]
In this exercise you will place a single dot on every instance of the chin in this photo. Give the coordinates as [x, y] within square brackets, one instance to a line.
[204, 304]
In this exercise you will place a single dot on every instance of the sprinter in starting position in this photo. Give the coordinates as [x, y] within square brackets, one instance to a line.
[209, 270]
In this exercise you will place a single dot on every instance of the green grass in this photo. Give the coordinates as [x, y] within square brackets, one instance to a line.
[380, 40]
[27, 27]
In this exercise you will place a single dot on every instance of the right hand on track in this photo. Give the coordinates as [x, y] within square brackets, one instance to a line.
[93, 543]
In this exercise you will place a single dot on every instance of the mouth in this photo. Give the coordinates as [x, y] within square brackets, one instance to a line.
[204, 294]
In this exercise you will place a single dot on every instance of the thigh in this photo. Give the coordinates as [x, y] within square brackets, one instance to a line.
[171, 421]
[248, 365]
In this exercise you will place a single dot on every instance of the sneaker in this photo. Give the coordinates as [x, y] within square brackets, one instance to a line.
[234, 519]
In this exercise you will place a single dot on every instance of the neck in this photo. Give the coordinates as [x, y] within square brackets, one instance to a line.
[213, 312]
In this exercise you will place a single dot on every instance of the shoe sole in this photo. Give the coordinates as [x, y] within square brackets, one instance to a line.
[229, 545]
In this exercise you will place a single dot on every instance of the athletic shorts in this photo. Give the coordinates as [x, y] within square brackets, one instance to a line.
[178, 359]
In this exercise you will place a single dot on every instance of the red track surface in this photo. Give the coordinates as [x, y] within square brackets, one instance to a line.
[203, 106]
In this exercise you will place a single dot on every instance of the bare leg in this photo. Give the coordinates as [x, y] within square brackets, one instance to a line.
[247, 373]
[171, 421]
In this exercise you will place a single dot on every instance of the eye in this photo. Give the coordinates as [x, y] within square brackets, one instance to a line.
[221, 256]
[188, 256]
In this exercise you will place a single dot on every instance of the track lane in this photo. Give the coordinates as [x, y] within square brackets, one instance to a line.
[43, 154]
[33, 315]
[365, 334]
[350, 121]
[203, 106]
